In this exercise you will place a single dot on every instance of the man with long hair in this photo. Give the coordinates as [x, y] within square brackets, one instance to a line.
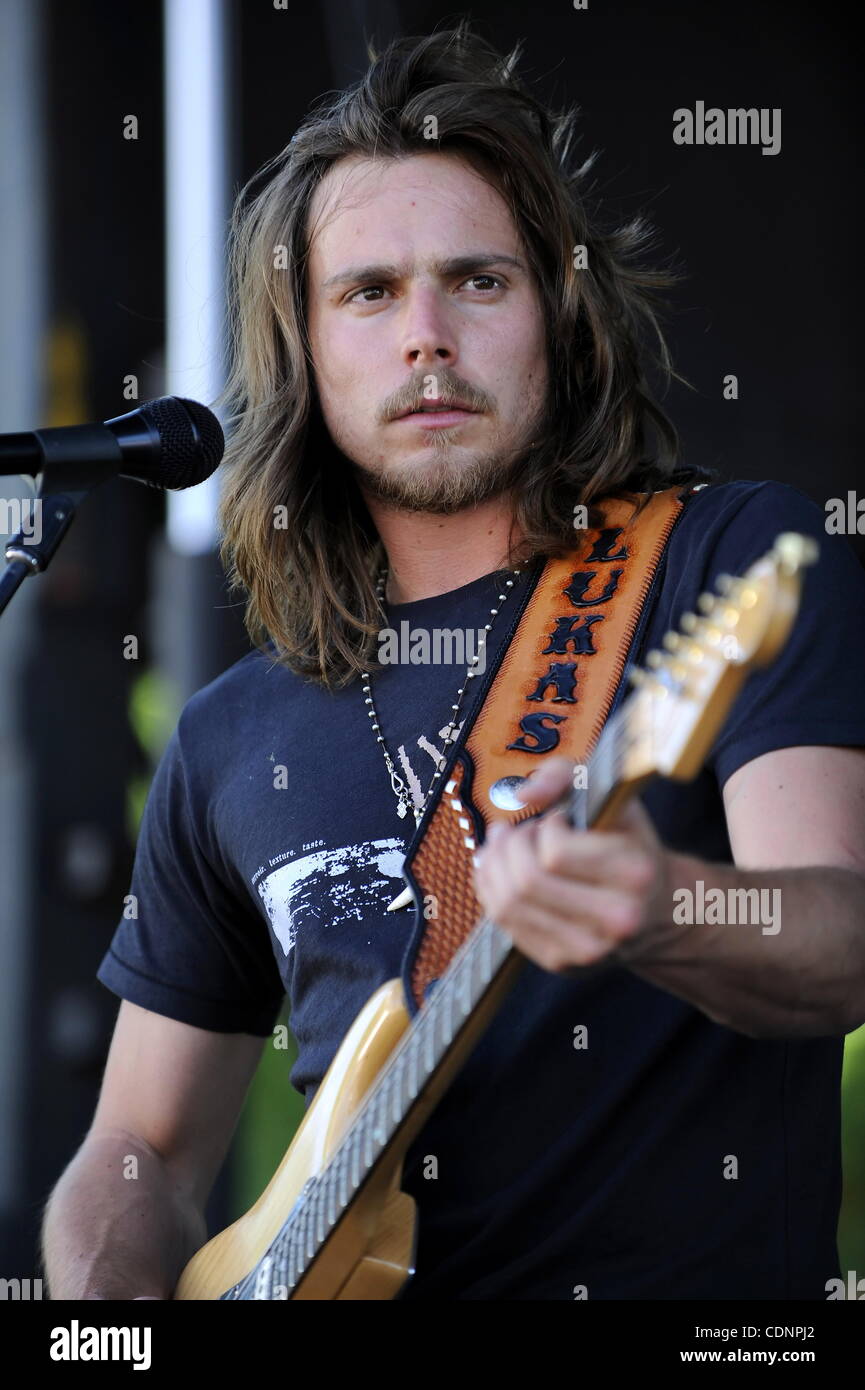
[438, 361]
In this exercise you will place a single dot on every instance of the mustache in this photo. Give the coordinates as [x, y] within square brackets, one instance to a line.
[447, 391]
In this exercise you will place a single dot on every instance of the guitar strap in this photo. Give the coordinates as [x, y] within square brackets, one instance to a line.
[551, 689]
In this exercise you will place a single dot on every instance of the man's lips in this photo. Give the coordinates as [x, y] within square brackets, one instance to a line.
[436, 416]
[435, 406]
[436, 419]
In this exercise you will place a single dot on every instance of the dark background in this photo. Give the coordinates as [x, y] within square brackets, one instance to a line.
[770, 246]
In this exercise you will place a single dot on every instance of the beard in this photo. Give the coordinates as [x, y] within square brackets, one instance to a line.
[454, 478]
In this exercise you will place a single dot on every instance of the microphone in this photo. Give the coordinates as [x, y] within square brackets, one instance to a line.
[169, 442]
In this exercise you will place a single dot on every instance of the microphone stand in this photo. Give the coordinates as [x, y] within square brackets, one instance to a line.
[68, 474]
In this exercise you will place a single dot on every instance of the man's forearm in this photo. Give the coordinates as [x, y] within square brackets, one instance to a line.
[797, 971]
[117, 1229]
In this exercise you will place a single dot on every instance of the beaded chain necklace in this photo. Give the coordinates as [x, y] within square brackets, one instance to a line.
[400, 790]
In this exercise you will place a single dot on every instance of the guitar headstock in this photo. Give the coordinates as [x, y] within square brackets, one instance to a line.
[684, 692]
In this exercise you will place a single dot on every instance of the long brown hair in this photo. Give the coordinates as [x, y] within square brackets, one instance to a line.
[310, 583]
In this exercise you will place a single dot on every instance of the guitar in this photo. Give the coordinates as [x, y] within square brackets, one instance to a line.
[333, 1222]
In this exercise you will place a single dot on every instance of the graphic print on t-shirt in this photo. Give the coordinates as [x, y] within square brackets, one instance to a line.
[331, 886]
[415, 784]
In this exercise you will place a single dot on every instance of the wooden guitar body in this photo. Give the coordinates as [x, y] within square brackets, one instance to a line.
[370, 1254]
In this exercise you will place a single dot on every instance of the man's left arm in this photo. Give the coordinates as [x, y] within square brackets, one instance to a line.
[796, 823]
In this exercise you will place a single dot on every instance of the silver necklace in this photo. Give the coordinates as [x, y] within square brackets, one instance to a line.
[400, 790]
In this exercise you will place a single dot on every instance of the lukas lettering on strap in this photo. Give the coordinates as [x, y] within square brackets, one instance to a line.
[550, 691]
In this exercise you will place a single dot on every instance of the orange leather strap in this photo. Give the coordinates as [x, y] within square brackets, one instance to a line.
[552, 692]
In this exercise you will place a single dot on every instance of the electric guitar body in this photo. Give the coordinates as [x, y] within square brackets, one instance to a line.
[371, 1255]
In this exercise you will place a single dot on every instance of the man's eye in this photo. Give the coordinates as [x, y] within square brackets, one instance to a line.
[497, 283]
[494, 281]
[364, 289]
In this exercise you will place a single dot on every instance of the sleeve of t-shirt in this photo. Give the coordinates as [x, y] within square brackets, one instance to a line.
[814, 690]
[192, 946]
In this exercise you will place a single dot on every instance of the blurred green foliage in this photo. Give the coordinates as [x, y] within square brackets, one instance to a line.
[851, 1227]
[154, 709]
[270, 1117]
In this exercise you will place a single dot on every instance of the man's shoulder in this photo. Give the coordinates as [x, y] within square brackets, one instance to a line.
[737, 521]
[727, 526]
[240, 695]
[724, 500]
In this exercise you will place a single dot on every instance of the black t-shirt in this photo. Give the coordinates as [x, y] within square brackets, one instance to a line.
[557, 1166]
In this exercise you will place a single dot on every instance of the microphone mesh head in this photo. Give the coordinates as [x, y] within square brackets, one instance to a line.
[192, 442]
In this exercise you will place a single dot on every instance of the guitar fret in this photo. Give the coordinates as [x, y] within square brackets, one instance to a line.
[294, 1265]
[343, 1178]
[397, 1109]
[282, 1264]
[428, 1040]
[489, 957]
[379, 1130]
[436, 1021]
[340, 1185]
[413, 1061]
[320, 1224]
[309, 1245]
[466, 992]
[386, 1105]
[448, 1011]
[292, 1259]
[367, 1146]
[301, 1236]
[355, 1156]
[263, 1286]
[328, 1194]
[306, 1231]
[477, 982]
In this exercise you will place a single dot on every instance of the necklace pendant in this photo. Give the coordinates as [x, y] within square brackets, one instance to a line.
[401, 810]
